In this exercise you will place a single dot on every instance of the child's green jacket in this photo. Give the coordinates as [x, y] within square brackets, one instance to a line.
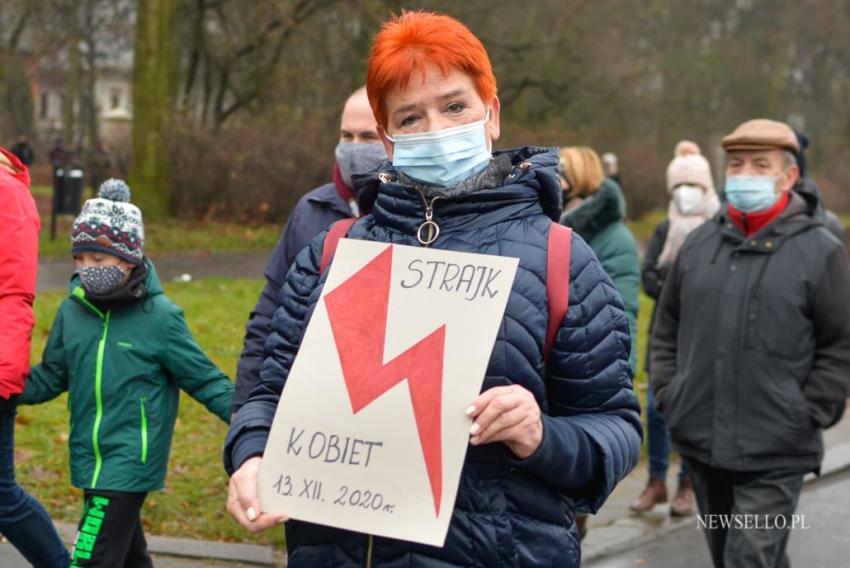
[123, 369]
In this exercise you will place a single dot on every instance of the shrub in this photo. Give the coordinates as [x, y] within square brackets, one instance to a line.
[251, 171]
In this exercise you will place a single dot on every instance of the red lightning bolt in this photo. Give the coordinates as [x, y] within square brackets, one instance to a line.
[357, 309]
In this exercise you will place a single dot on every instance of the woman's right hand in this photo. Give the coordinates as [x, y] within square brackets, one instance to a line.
[243, 502]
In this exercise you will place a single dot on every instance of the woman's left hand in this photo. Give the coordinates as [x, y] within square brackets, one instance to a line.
[507, 414]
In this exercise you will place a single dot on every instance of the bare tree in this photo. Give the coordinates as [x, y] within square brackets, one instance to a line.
[16, 98]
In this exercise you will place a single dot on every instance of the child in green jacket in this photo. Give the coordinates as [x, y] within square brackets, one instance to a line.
[122, 350]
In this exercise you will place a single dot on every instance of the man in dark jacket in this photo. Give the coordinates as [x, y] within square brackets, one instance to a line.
[23, 151]
[359, 151]
[751, 348]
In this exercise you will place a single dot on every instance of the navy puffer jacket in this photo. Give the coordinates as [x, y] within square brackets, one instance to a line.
[509, 512]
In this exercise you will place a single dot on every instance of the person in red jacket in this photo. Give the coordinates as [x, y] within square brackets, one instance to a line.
[22, 519]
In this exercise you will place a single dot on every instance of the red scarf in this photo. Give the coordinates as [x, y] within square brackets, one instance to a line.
[751, 223]
[343, 190]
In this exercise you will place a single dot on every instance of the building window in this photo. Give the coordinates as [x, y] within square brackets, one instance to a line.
[114, 98]
[44, 105]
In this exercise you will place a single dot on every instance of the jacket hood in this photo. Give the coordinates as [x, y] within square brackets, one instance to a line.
[533, 178]
[810, 192]
[606, 206]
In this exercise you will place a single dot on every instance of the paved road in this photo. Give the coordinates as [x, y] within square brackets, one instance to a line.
[827, 543]
[175, 552]
[54, 274]
[9, 558]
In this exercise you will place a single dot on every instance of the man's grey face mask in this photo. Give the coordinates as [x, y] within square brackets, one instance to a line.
[102, 280]
[358, 158]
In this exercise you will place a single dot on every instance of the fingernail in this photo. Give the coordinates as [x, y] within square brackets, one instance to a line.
[475, 429]
[470, 411]
[474, 440]
[251, 514]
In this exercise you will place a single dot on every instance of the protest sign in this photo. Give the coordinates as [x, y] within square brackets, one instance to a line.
[370, 433]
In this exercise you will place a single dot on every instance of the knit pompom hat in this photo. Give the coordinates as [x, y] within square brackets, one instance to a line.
[110, 223]
[686, 148]
[689, 166]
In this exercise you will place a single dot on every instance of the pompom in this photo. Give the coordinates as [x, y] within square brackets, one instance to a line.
[686, 148]
[115, 190]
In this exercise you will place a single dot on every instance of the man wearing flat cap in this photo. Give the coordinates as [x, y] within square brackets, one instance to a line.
[751, 348]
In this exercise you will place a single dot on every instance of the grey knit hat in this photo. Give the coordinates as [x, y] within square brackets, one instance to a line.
[111, 224]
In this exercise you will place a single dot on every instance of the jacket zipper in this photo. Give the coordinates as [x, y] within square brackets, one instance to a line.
[433, 229]
[144, 430]
[98, 395]
[369, 550]
[80, 294]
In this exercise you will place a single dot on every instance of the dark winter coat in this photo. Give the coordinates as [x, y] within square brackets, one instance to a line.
[24, 153]
[314, 213]
[833, 224]
[652, 276]
[601, 221]
[829, 219]
[509, 512]
[751, 344]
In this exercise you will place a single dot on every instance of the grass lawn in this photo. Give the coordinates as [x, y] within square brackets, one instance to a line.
[193, 503]
[640, 381]
[643, 228]
[41, 190]
[172, 235]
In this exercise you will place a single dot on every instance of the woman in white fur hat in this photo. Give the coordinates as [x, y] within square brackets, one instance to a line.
[693, 200]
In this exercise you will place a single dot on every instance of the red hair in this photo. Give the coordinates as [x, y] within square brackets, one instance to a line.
[411, 42]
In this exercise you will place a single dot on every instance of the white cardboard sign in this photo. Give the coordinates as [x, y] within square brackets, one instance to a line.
[370, 433]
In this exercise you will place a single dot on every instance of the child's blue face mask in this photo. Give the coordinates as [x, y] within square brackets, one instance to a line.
[751, 193]
[443, 157]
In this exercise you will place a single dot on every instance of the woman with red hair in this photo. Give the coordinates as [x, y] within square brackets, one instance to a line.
[550, 433]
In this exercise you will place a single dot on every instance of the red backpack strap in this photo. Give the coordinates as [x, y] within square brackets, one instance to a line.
[557, 280]
[337, 231]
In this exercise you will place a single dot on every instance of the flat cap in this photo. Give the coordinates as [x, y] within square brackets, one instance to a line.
[761, 134]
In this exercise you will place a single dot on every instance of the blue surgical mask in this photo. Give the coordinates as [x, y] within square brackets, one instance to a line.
[443, 157]
[749, 194]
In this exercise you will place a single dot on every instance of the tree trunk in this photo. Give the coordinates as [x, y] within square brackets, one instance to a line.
[90, 120]
[15, 96]
[154, 91]
[71, 105]
[195, 56]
